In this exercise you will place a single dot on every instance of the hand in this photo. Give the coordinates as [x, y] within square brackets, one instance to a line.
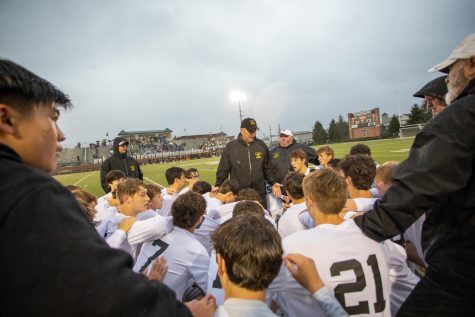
[276, 189]
[304, 271]
[158, 271]
[204, 307]
[126, 223]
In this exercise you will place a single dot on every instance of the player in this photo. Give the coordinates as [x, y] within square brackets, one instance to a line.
[299, 163]
[325, 155]
[176, 182]
[289, 222]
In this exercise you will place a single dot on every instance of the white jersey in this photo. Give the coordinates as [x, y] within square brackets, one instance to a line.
[375, 192]
[211, 202]
[149, 213]
[274, 204]
[187, 260]
[140, 232]
[167, 203]
[204, 231]
[353, 266]
[214, 283]
[402, 280]
[184, 190]
[104, 198]
[236, 307]
[306, 220]
[289, 222]
[102, 220]
[221, 211]
[364, 204]
[414, 234]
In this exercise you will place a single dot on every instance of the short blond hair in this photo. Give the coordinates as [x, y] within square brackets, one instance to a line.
[326, 189]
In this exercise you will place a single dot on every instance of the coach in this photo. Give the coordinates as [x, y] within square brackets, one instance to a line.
[247, 160]
[120, 161]
[438, 180]
[280, 160]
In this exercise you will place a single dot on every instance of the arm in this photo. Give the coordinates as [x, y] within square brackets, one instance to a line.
[224, 168]
[199, 268]
[118, 236]
[148, 229]
[139, 170]
[436, 167]
[312, 155]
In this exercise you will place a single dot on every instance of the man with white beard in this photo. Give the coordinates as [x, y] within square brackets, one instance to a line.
[438, 180]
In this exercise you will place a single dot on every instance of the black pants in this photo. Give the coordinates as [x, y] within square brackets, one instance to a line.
[432, 298]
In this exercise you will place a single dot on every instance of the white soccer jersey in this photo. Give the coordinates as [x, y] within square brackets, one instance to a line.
[364, 204]
[183, 191]
[211, 202]
[402, 280]
[204, 231]
[221, 211]
[274, 204]
[140, 232]
[167, 203]
[102, 220]
[375, 192]
[149, 213]
[306, 220]
[106, 197]
[187, 260]
[214, 284]
[290, 222]
[414, 234]
[353, 266]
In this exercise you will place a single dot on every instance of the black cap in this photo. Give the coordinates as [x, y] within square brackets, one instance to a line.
[435, 88]
[249, 124]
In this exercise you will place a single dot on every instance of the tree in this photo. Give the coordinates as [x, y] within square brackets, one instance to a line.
[419, 113]
[333, 131]
[394, 125]
[319, 134]
[343, 132]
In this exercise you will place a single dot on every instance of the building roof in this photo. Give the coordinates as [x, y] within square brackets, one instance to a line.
[122, 132]
[200, 136]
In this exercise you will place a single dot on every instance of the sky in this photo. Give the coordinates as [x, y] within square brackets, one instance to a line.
[150, 65]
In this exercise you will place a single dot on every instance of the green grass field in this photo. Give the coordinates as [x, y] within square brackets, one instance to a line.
[382, 151]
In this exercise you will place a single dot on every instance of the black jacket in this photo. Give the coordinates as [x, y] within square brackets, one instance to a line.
[280, 158]
[53, 262]
[118, 161]
[437, 179]
[248, 164]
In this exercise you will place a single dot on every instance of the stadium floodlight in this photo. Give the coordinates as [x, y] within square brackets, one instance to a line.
[238, 97]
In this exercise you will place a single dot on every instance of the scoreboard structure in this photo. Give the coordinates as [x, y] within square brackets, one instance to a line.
[364, 124]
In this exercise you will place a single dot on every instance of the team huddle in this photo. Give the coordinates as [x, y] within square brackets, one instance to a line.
[186, 224]
[271, 237]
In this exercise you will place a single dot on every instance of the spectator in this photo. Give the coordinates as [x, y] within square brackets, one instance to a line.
[434, 93]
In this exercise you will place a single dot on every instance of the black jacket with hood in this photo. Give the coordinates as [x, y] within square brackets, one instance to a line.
[119, 161]
[438, 180]
[248, 164]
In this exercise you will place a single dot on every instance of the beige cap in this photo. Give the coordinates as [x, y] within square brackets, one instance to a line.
[465, 49]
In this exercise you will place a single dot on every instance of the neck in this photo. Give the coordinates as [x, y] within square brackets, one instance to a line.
[357, 193]
[234, 291]
[298, 201]
[303, 170]
[127, 210]
[332, 219]
[176, 188]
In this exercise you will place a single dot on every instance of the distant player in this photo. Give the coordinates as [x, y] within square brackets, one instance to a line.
[192, 176]
[176, 182]
[289, 222]
[298, 161]
[325, 155]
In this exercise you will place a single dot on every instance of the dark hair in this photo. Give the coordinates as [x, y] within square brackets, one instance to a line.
[293, 184]
[360, 148]
[190, 171]
[114, 175]
[187, 209]
[326, 189]
[129, 186]
[361, 168]
[23, 90]
[152, 190]
[326, 149]
[247, 208]
[201, 187]
[249, 194]
[84, 199]
[334, 162]
[298, 154]
[229, 185]
[251, 249]
[172, 173]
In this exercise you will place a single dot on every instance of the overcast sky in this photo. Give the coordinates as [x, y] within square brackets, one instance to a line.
[148, 65]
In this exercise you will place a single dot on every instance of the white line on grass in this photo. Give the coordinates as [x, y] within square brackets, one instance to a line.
[151, 181]
[83, 178]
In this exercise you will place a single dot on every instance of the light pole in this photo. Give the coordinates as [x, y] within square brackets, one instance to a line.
[238, 96]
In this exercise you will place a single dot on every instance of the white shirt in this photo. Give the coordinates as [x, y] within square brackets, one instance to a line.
[290, 222]
[364, 204]
[106, 197]
[184, 190]
[343, 255]
[236, 307]
[149, 213]
[167, 203]
[204, 231]
[102, 219]
[211, 202]
[414, 234]
[187, 260]
[140, 232]
[221, 211]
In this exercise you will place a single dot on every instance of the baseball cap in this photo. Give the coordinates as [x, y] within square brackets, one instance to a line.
[287, 132]
[465, 49]
[435, 88]
[249, 124]
[123, 143]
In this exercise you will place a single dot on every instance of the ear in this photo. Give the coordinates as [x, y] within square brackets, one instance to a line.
[348, 180]
[470, 68]
[221, 265]
[8, 118]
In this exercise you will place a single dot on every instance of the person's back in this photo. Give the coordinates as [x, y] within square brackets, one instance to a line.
[43, 224]
[187, 258]
[349, 263]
